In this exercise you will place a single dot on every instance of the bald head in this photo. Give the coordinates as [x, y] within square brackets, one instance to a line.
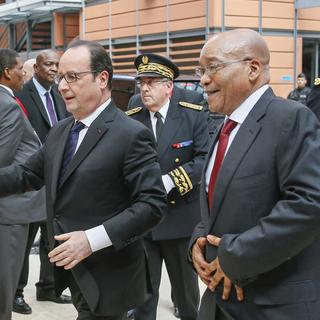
[28, 69]
[236, 64]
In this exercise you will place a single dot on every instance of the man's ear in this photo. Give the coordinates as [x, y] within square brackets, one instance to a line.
[7, 73]
[104, 77]
[254, 69]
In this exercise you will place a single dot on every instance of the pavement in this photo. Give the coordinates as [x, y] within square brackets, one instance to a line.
[43, 310]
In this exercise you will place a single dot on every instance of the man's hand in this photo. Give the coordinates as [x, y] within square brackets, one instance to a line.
[74, 248]
[219, 275]
[200, 264]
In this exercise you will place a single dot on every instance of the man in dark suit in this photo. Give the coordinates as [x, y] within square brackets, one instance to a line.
[34, 96]
[313, 100]
[18, 141]
[182, 143]
[260, 195]
[103, 190]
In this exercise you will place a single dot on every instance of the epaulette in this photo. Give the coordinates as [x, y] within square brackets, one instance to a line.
[133, 111]
[317, 81]
[191, 105]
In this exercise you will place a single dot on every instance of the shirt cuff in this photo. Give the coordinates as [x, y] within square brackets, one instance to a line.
[168, 183]
[98, 238]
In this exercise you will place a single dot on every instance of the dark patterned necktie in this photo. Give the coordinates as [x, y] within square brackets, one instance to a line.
[50, 108]
[159, 124]
[222, 147]
[71, 145]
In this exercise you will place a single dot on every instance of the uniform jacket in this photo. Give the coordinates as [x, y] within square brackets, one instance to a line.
[266, 208]
[37, 114]
[17, 142]
[300, 95]
[313, 101]
[113, 180]
[182, 148]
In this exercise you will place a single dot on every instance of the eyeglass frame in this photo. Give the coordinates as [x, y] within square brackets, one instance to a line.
[140, 83]
[212, 69]
[59, 78]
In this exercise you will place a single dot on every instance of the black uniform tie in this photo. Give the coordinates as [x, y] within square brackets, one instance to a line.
[159, 124]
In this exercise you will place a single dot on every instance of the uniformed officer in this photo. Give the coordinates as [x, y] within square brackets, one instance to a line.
[313, 100]
[301, 92]
[179, 124]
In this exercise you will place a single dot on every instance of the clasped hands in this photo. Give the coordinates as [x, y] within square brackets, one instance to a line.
[74, 248]
[211, 273]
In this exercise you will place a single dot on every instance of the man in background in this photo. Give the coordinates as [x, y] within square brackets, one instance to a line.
[313, 101]
[300, 93]
[18, 141]
[45, 107]
[28, 69]
[176, 118]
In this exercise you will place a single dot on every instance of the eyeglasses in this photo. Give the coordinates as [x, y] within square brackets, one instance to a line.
[151, 83]
[211, 69]
[71, 77]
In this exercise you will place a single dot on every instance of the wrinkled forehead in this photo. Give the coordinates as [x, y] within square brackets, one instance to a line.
[214, 50]
[75, 60]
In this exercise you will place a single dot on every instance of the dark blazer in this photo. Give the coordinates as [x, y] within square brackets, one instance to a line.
[185, 163]
[18, 141]
[37, 114]
[113, 180]
[313, 100]
[266, 207]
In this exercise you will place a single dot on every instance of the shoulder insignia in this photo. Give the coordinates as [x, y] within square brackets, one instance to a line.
[191, 105]
[317, 81]
[133, 111]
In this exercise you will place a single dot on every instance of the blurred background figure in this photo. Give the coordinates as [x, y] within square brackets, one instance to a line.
[300, 93]
[28, 70]
[313, 101]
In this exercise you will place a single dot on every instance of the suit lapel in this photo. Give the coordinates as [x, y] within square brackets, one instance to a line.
[38, 102]
[58, 104]
[171, 126]
[95, 132]
[246, 135]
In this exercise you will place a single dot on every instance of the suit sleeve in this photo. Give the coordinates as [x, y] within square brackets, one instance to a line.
[294, 222]
[11, 131]
[141, 172]
[186, 176]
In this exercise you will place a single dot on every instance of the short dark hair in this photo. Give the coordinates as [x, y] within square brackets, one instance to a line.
[99, 58]
[8, 59]
[301, 75]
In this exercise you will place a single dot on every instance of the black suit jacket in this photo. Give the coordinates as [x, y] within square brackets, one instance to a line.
[184, 162]
[266, 208]
[37, 114]
[114, 180]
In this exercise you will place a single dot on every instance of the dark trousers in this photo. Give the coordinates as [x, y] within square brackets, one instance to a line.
[82, 307]
[183, 279]
[45, 285]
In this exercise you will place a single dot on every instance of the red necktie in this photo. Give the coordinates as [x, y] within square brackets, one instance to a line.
[222, 146]
[22, 107]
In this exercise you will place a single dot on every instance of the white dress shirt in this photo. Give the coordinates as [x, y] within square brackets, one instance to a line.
[167, 181]
[238, 115]
[42, 91]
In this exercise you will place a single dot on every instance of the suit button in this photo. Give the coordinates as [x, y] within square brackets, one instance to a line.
[172, 202]
[177, 160]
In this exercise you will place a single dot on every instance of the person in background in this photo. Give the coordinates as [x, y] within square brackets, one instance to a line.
[176, 118]
[18, 141]
[313, 101]
[45, 107]
[257, 245]
[103, 190]
[301, 92]
[28, 69]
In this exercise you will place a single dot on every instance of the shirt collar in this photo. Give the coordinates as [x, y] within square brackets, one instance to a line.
[8, 89]
[163, 110]
[39, 87]
[94, 115]
[241, 113]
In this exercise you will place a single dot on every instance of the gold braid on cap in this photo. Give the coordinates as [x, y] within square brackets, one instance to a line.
[317, 81]
[157, 68]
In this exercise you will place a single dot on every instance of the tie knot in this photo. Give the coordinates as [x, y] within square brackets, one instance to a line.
[158, 115]
[78, 126]
[228, 127]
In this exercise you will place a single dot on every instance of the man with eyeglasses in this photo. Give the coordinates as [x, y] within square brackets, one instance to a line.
[103, 190]
[45, 107]
[177, 120]
[256, 247]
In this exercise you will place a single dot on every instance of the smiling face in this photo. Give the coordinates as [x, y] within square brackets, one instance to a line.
[231, 84]
[84, 95]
